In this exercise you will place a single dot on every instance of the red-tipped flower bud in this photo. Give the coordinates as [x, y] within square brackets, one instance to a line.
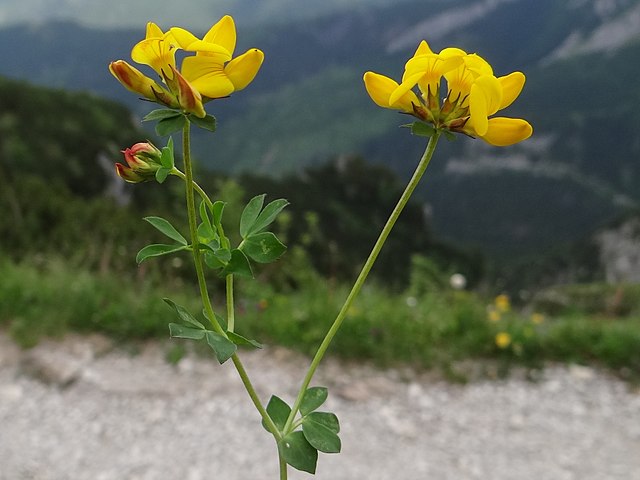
[143, 161]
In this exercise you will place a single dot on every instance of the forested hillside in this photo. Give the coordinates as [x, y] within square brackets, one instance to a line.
[308, 105]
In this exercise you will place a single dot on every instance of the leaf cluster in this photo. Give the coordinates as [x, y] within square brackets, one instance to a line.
[318, 430]
[224, 345]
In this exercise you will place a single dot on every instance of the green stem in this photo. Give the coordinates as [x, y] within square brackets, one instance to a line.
[190, 187]
[193, 228]
[196, 187]
[404, 198]
[230, 309]
[283, 467]
[254, 397]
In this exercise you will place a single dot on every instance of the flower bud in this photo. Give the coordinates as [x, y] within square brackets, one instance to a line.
[189, 98]
[135, 81]
[143, 161]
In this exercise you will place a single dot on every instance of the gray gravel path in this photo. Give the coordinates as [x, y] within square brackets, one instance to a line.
[80, 409]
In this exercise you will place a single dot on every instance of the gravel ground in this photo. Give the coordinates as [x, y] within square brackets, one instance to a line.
[82, 409]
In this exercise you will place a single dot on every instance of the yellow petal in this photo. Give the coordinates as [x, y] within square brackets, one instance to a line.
[379, 88]
[512, 85]
[427, 71]
[484, 100]
[158, 53]
[184, 38]
[478, 111]
[153, 31]
[243, 69]
[134, 80]
[223, 33]
[405, 88]
[207, 77]
[492, 89]
[422, 49]
[478, 65]
[503, 131]
[452, 52]
[459, 82]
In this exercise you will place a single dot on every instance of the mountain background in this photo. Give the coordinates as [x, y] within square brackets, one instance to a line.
[579, 172]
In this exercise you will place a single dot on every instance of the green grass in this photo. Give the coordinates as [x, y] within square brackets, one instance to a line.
[433, 330]
[49, 299]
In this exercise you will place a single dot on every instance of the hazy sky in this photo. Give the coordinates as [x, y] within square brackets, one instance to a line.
[196, 14]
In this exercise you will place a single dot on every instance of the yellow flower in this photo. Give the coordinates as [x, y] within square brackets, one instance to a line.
[473, 95]
[503, 340]
[158, 50]
[212, 70]
[537, 318]
[494, 315]
[211, 73]
[502, 303]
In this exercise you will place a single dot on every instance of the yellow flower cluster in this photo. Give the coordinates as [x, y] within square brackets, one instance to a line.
[210, 73]
[474, 94]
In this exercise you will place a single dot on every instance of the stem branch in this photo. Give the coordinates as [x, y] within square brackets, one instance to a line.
[355, 290]
[191, 186]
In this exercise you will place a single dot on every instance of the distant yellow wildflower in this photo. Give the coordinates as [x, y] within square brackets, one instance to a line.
[537, 318]
[493, 315]
[502, 303]
[503, 340]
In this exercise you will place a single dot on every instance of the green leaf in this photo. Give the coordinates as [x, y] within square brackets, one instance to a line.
[157, 250]
[216, 257]
[298, 452]
[206, 230]
[321, 436]
[204, 214]
[263, 247]
[329, 420]
[181, 331]
[212, 261]
[217, 209]
[240, 340]
[162, 174]
[160, 114]
[222, 347]
[206, 235]
[279, 412]
[238, 265]
[184, 315]
[268, 215]
[421, 129]
[168, 125]
[449, 135]
[208, 122]
[165, 227]
[312, 399]
[250, 214]
[166, 157]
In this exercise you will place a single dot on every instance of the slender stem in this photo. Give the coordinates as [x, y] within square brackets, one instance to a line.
[404, 198]
[254, 397]
[193, 230]
[196, 187]
[230, 309]
[283, 467]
